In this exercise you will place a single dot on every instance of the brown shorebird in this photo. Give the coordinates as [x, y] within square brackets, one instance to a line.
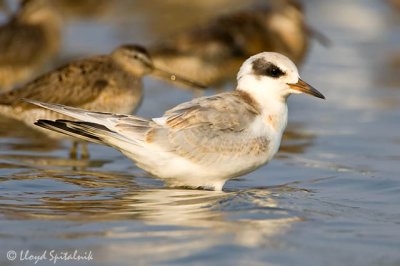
[4, 7]
[213, 53]
[28, 42]
[207, 141]
[110, 83]
[73, 9]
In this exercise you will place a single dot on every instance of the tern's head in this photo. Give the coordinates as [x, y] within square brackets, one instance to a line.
[271, 75]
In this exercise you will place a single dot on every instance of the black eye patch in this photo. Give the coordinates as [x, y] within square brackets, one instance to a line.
[264, 68]
[274, 71]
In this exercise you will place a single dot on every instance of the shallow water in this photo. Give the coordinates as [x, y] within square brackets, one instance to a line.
[331, 196]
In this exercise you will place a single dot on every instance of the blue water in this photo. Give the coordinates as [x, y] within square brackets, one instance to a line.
[330, 197]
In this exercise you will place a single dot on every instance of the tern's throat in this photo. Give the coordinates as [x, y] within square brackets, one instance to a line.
[270, 102]
[269, 95]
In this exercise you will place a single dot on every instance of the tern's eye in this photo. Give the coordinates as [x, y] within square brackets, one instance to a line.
[274, 71]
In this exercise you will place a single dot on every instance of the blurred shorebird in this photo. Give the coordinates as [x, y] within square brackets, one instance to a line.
[4, 7]
[395, 4]
[28, 41]
[83, 8]
[213, 53]
[110, 83]
[204, 142]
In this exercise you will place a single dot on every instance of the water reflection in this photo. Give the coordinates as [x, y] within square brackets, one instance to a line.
[16, 136]
[295, 140]
[51, 161]
[120, 197]
[250, 218]
[85, 193]
[195, 222]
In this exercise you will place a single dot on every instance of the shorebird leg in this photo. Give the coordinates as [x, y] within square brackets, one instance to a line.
[84, 151]
[74, 150]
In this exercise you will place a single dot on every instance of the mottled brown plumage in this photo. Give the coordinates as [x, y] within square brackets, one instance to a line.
[213, 53]
[108, 82]
[28, 42]
[86, 82]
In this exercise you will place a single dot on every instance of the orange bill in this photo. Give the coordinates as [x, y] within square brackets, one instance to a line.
[306, 88]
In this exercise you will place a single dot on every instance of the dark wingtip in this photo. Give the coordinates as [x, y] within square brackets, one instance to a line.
[64, 127]
[43, 123]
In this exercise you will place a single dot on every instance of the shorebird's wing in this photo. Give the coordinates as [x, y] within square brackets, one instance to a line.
[73, 85]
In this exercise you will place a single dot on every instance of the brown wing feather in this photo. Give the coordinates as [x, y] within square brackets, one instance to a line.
[74, 84]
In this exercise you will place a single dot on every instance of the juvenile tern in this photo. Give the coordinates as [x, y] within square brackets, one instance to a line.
[204, 142]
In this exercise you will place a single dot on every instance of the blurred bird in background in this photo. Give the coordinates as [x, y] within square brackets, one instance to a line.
[73, 9]
[29, 41]
[212, 53]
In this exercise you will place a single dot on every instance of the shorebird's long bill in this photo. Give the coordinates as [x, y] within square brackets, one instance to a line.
[318, 36]
[306, 88]
[176, 78]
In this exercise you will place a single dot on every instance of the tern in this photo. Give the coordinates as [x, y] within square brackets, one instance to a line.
[204, 142]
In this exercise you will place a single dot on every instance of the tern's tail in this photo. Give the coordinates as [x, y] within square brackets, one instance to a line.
[104, 128]
[91, 132]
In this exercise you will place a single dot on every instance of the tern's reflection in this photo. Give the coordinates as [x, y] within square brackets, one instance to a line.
[153, 224]
[192, 222]
[249, 217]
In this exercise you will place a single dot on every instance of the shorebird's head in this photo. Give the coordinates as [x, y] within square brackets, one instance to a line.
[39, 12]
[268, 76]
[136, 60]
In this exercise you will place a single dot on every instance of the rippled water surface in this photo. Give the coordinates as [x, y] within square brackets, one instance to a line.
[330, 197]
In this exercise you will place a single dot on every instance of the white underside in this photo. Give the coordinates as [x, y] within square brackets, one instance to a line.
[180, 171]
